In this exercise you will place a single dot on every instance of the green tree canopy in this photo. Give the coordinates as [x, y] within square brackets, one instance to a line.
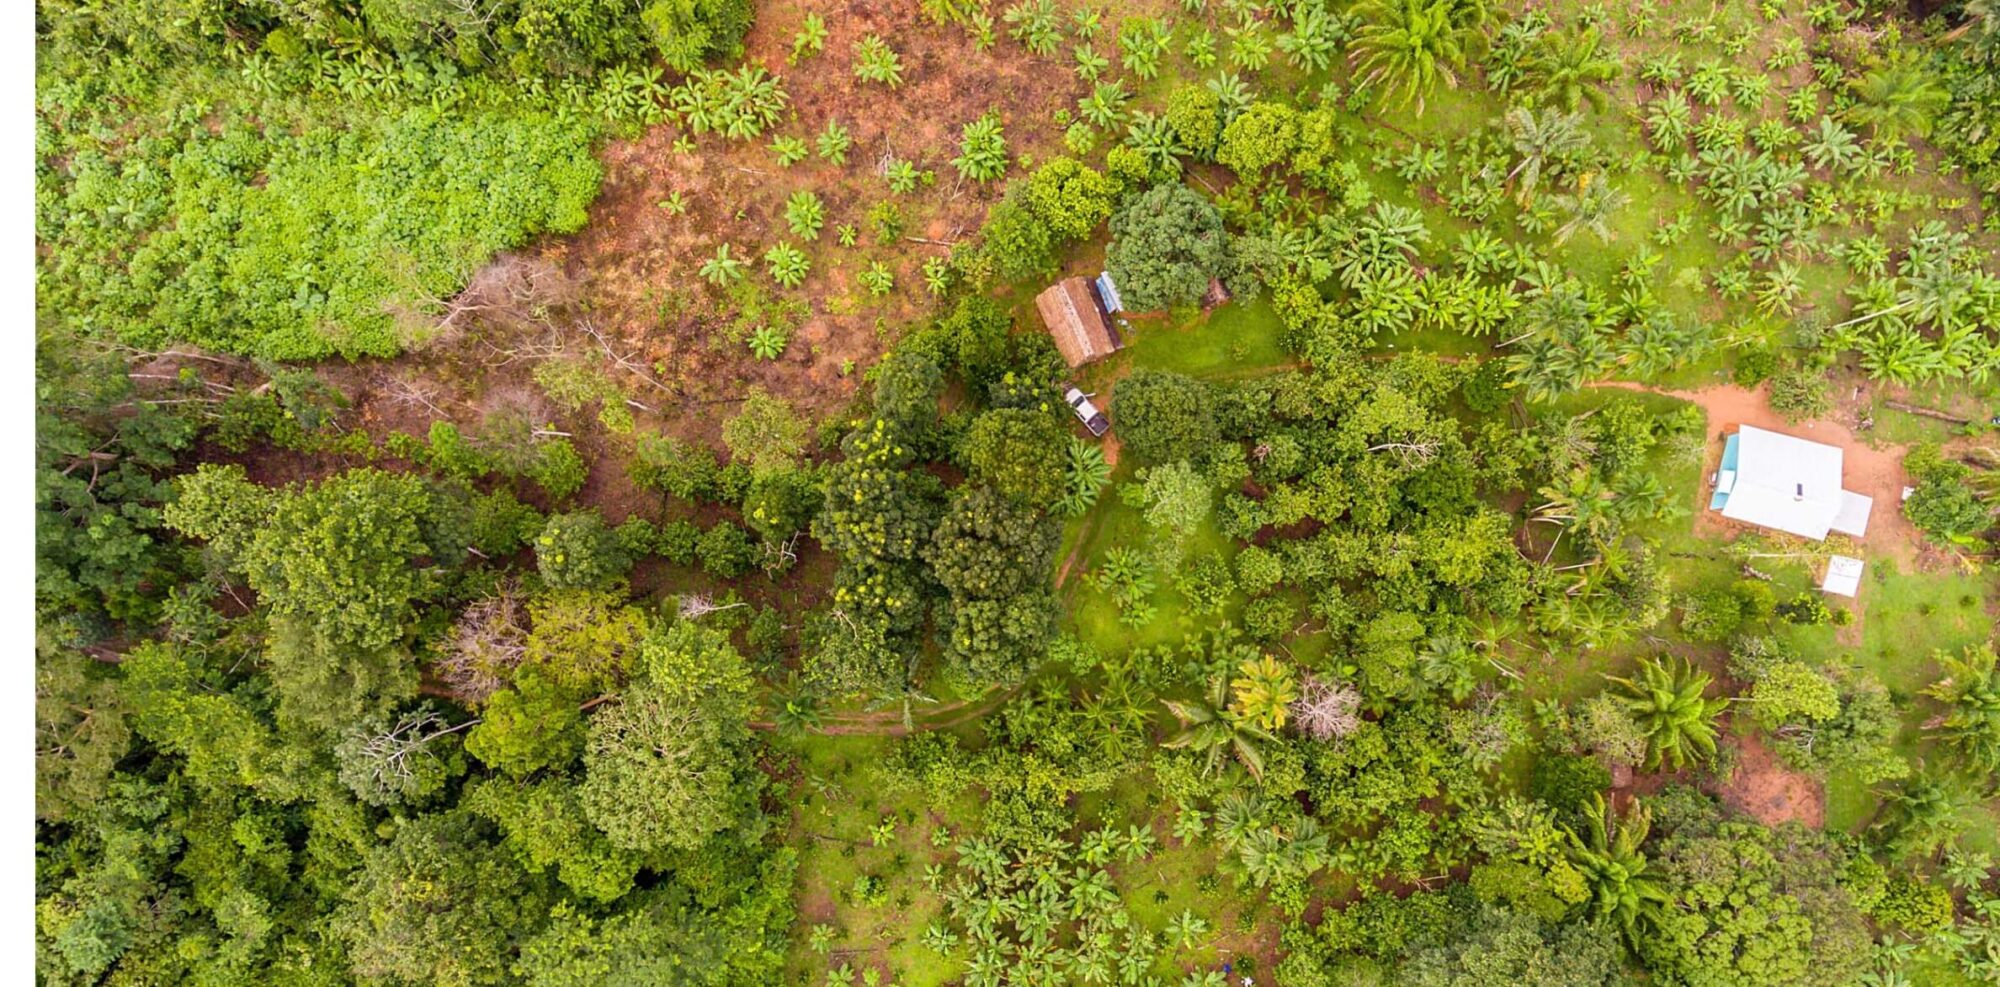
[666, 766]
[1163, 416]
[1166, 244]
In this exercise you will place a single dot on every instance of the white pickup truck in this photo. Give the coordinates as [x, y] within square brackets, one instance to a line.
[1086, 412]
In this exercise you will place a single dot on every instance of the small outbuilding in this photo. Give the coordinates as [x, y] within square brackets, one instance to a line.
[1078, 321]
[1843, 576]
[1786, 483]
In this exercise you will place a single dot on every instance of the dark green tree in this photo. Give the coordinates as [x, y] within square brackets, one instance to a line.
[1164, 416]
[1166, 245]
[667, 764]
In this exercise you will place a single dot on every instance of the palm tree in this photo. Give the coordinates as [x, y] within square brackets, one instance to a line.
[1971, 690]
[797, 710]
[1264, 692]
[1185, 931]
[1590, 209]
[1579, 499]
[1897, 97]
[1540, 139]
[1620, 886]
[1925, 815]
[1208, 725]
[1666, 700]
[1413, 44]
[1573, 69]
[1982, 25]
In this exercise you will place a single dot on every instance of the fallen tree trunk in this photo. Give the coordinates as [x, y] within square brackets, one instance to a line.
[1911, 409]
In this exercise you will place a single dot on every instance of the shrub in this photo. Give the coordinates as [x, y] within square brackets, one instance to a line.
[636, 537]
[1019, 452]
[778, 505]
[1269, 618]
[1194, 113]
[238, 225]
[1914, 905]
[1755, 598]
[1754, 366]
[1021, 244]
[675, 541]
[1258, 569]
[558, 470]
[1165, 247]
[690, 32]
[1163, 415]
[726, 551]
[1568, 782]
[682, 469]
[453, 455]
[1800, 393]
[1710, 616]
[1070, 197]
[1943, 504]
[577, 551]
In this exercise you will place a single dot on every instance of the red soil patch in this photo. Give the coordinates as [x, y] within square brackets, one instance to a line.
[1771, 793]
[639, 261]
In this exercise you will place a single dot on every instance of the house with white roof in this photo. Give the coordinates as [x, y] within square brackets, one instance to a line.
[1786, 483]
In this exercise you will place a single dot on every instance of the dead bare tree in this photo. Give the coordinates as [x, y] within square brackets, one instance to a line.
[488, 641]
[780, 556]
[622, 361]
[694, 606]
[382, 767]
[1411, 453]
[511, 292]
[1326, 710]
[407, 390]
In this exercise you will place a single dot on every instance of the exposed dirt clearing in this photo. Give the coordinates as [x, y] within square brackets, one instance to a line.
[640, 260]
[1768, 791]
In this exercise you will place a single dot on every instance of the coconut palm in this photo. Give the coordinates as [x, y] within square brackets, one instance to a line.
[1621, 888]
[1981, 27]
[1209, 725]
[1540, 139]
[1590, 208]
[1971, 692]
[1900, 96]
[1411, 44]
[1572, 69]
[1666, 700]
[1925, 815]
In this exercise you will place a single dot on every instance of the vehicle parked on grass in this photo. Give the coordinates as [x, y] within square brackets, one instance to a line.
[1086, 412]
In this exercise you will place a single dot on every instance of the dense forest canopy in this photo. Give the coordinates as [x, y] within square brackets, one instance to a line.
[568, 492]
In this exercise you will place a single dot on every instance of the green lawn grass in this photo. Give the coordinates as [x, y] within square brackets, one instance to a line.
[1235, 339]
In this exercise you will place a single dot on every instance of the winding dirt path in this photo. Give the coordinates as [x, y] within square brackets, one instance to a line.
[890, 724]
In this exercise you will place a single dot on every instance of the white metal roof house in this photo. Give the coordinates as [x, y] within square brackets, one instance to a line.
[1779, 481]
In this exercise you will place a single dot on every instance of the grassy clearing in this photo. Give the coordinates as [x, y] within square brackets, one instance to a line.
[840, 804]
[1092, 614]
[1236, 339]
